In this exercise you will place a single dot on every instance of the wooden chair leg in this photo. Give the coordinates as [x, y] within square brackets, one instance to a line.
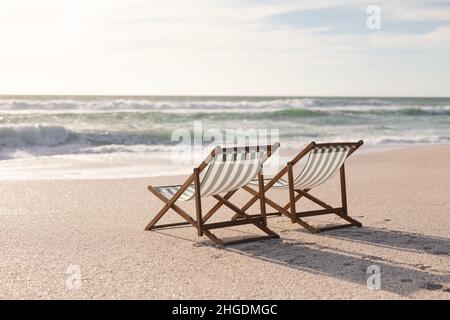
[207, 232]
[297, 217]
[241, 213]
[270, 202]
[168, 202]
[186, 217]
[354, 222]
[198, 202]
[266, 188]
[343, 189]
[297, 197]
[291, 191]
[345, 216]
[217, 206]
[160, 214]
[282, 211]
[262, 200]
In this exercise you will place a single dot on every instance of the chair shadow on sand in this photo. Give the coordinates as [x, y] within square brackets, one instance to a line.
[344, 265]
[347, 266]
[395, 239]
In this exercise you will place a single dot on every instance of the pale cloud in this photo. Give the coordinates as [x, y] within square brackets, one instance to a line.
[423, 10]
[436, 39]
[195, 47]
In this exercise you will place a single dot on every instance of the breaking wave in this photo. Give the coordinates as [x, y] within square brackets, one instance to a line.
[65, 125]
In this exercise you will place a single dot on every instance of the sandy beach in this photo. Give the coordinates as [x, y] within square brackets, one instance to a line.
[401, 196]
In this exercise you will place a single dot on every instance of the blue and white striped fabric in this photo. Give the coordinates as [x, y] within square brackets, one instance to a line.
[229, 169]
[316, 168]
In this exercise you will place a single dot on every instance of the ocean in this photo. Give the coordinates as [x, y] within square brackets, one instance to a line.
[112, 136]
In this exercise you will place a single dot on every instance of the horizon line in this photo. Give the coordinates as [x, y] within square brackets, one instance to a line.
[222, 96]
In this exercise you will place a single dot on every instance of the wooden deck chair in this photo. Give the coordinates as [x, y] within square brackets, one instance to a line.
[316, 164]
[224, 171]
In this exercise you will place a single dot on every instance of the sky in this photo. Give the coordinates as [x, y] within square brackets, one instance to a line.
[225, 47]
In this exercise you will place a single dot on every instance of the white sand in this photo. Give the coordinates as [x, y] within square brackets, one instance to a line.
[400, 196]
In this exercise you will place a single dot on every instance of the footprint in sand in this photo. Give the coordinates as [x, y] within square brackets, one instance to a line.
[199, 244]
[440, 253]
[370, 258]
[422, 266]
[431, 286]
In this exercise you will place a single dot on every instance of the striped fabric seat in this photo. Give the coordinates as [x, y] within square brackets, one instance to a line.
[169, 191]
[321, 164]
[229, 169]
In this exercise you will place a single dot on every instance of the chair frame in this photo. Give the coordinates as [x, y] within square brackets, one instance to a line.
[289, 209]
[203, 228]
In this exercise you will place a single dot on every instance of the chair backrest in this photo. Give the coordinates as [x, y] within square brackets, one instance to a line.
[231, 168]
[321, 163]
